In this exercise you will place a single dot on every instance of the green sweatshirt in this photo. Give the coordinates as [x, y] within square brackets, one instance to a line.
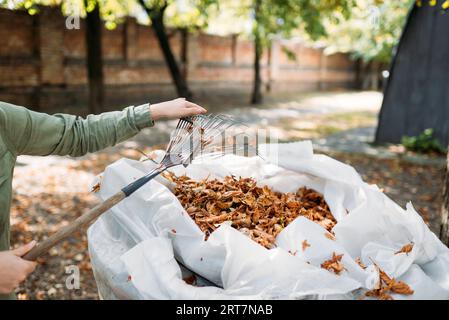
[24, 132]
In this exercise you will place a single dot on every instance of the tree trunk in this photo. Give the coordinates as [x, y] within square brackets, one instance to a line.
[444, 232]
[94, 60]
[184, 52]
[375, 72]
[359, 75]
[157, 19]
[257, 89]
[366, 80]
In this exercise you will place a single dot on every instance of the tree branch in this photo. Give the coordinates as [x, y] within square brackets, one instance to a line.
[153, 11]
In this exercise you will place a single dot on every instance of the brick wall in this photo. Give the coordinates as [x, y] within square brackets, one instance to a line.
[42, 64]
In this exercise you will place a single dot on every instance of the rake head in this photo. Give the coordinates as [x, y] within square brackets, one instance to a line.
[200, 136]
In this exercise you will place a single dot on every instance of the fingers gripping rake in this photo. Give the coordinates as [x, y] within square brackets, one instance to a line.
[187, 142]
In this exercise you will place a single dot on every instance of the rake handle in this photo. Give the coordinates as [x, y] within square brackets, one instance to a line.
[89, 216]
[76, 225]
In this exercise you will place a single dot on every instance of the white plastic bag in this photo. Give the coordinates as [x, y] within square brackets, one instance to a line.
[133, 247]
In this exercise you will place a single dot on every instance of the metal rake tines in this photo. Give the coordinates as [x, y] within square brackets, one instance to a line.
[192, 134]
[212, 128]
[185, 125]
[187, 142]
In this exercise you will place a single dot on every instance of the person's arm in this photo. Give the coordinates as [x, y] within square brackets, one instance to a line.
[33, 133]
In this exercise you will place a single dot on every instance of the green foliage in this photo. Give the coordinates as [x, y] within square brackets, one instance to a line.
[372, 31]
[344, 25]
[31, 6]
[191, 14]
[185, 14]
[423, 143]
[281, 18]
[290, 54]
[112, 11]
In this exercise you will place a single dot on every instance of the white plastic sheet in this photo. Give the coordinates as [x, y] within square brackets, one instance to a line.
[133, 246]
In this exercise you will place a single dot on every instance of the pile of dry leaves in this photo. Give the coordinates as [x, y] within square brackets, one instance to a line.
[259, 212]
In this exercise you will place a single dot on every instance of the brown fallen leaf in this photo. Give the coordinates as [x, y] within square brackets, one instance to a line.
[334, 264]
[330, 236]
[406, 249]
[359, 262]
[401, 287]
[96, 188]
[305, 245]
[385, 296]
[190, 280]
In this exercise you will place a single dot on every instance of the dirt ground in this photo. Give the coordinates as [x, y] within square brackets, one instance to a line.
[50, 192]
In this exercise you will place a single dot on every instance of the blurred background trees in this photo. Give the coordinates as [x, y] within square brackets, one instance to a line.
[96, 13]
[188, 15]
[367, 29]
[371, 34]
[267, 20]
[94, 56]
[185, 15]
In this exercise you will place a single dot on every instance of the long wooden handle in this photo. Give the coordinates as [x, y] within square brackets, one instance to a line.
[76, 225]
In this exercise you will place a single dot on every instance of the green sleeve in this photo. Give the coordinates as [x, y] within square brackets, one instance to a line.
[33, 133]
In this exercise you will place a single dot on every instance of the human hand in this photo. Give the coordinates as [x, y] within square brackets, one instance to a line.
[14, 269]
[175, 109]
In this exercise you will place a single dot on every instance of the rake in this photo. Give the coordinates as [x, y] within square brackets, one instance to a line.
[190, 140]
